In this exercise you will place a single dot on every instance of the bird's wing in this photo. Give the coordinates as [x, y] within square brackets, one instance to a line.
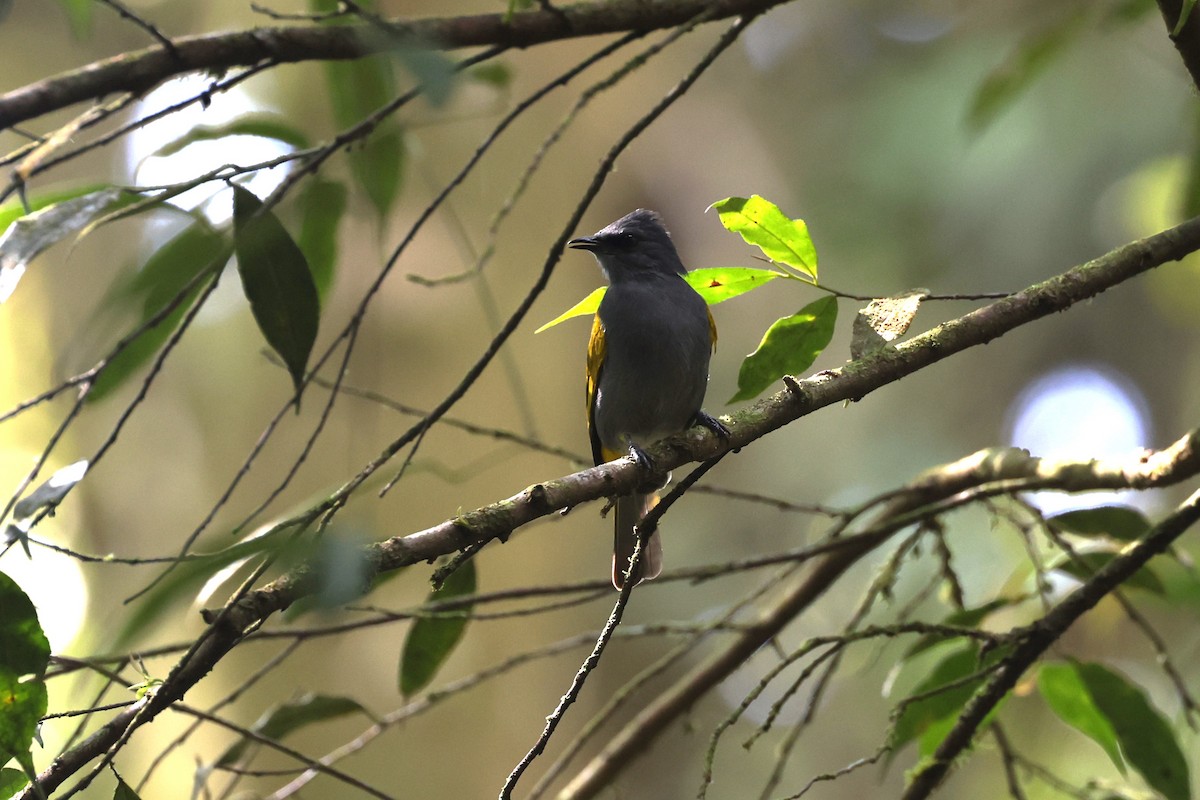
[595, 363]
[712, 329]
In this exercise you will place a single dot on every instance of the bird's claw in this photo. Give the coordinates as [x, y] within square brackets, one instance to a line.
[713, 424]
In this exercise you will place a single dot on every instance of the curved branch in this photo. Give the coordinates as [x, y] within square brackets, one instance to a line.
[802, 397]
[1180, 460]
[140, 71]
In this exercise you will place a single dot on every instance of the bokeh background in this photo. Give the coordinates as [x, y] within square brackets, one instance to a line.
[854, 116]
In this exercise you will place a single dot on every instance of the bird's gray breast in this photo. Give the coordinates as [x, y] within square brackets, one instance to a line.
[655, 370]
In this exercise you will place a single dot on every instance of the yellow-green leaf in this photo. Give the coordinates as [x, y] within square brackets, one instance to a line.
[718, 284]
[762, 224]
[587, 305]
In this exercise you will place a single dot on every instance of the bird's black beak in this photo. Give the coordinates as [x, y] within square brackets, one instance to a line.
[585, 243]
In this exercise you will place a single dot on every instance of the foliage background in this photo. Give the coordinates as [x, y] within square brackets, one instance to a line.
[853, 116]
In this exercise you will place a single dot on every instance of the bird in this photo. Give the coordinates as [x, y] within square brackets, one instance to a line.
[647, 366]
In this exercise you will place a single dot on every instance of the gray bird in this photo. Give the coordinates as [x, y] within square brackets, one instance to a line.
[647, 364]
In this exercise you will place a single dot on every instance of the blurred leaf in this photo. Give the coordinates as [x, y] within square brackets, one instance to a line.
[1146, 738]
[13, 210]
[26, 237]
[921, 715]
[433, 70]
[187, 577]
[884, 320]
[343, 571]
[357, 89]
[1064, 691]
[762, 224]
[788, 347]
[291, 716]
[322, 204]
[587, 305]
[431, 639]
[5, 7]
[1085, 565]
[966, 618]
[51, 493]
[24, 654]
[11, 780]
[172, 267]
[1116, 522]
[277, 282]
[79, 13]
[266, 126]
[124, 792]
[1005, 84]
[718, 284]
[494, 73]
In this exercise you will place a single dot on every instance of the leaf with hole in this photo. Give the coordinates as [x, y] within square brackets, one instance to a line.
[789, 347]
[432, 638]
[277, 282]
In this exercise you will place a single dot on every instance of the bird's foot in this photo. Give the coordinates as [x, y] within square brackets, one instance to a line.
[713, 424]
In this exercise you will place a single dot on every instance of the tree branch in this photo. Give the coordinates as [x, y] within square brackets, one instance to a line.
[802, 397]
[1187, 40]
[1035, 639]
[140, 71]
[1176, 462]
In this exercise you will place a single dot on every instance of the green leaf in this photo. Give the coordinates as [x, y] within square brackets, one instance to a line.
[124, 791]
[433, 70]
[762, 224]
[1001, 88]
[788, 347]
[24, 654]
[921, 715]
[291, 716]
[277, 282]
[1084, 565]
[79, 13]
[322, 204]
[494, 73]
[26, 237]
[11, 781]
[587, 305]
[1146, 738]
[1064, 690]
[431, 639]
[13, 210]
[172, 267]
[1122, 523]
[718, 284]
[266, 126]
[357, 89]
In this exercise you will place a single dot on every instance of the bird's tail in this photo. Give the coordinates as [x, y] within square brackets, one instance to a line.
[628, 513]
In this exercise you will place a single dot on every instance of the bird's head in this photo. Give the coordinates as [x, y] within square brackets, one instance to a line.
[636, 245]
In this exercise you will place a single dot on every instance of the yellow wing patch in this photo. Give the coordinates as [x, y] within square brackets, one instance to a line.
[712, 329]
[595, 362]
